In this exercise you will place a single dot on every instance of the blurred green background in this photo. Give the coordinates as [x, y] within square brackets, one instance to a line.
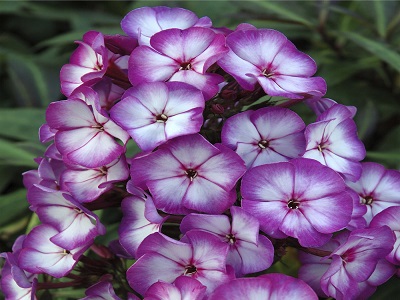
[355, 44]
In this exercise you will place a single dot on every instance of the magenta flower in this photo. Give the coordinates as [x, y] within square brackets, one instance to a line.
[140, 219]
[180, 55]
[142, 23]
[353, 267]
[88, 63]
[153, 113]
[85, 137]
[267, 57]
[189, 174]
[16, 283]
[378, 188]
[86, 185]
[267, 135]
[319, 105]
[40, 255]
[355, 261]
[296, 199]
[249, 252]
[101, 290]
[333, 141]
[184, 287]
[164, 259]
[76, 225]
[268, 286]
[390, 217]
[97, 56]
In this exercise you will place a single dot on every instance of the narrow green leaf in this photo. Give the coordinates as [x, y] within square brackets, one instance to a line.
[12, 155]
[29, 84]
[387, 156]
[13, 205]
[21, 123]
[379, 49]
[283, 9]
[380, 18]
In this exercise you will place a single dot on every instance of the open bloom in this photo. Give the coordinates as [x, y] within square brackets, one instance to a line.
[164, 259]
[377, 187]
[268, 286]
[390, 217]
[16, 283]
[333, 141]
[153, 113]
[354, 264]
[300, 198]
[183, 288]
[40, 255]
[85, 136]
[189, 174]
[140, 219]
[267, 57]
[76, 225]
[86, 184]
[142, 23]
[249, 252]
[267, 135]
[180, 55]
[96, 56]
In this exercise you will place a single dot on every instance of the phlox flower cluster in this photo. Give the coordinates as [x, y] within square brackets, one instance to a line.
[215, 192]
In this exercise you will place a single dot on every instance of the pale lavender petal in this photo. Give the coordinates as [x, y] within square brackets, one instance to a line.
[147, 65]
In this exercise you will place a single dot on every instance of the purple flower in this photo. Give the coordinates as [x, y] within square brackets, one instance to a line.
[333, 141]
[189, 174]
[378, 188]
[180, 55]
[16, 283]
[267, 57]
[86, 185]
[85, 136]
[142, 23]
[353, 265]
[320, 105]
[153, 113]
[267, 135]
[300, 198]
[355, 261]
[76, 225]
[249, 252]
[140, 219]
[269, 286]
[97, 56]
[88, 63]
[390, 217]
[184, 287]
[101, 290]
[40, 255]
[164, 259]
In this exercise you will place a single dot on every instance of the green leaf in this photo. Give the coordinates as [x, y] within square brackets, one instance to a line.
[380, 17]
[284, 9]
[379, 49]
[21, 123]
[12, 206]
[385, 156]
[29, 85]
[12, 155]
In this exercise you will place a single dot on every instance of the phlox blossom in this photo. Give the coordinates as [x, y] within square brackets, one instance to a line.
[300, 198]
[153, 113]
[142, 23]
[188, 174]
[267, 57]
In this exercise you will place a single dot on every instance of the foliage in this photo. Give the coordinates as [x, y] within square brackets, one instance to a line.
[356, 46]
